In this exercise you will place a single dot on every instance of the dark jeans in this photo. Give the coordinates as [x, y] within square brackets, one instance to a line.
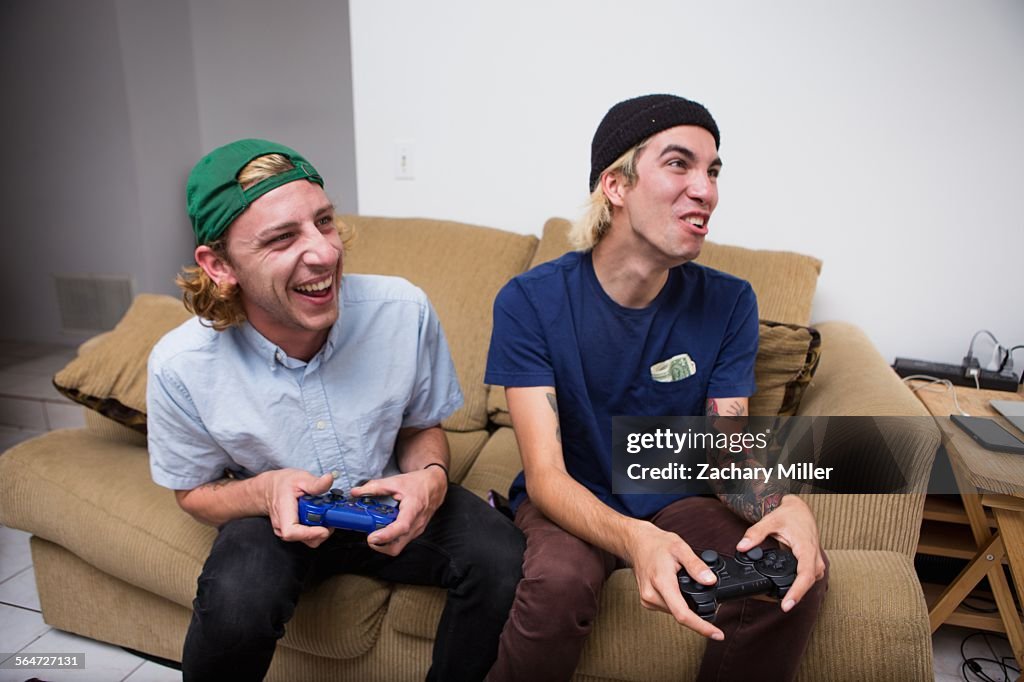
[557, 602]
[252, 581]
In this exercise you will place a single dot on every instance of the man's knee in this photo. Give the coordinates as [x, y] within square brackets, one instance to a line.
[494, 564]
[250, 584]
[556, 605]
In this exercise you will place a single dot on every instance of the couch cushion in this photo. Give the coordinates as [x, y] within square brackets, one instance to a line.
[461, 268]
[862, 633]
[123, 524]
[109, 374]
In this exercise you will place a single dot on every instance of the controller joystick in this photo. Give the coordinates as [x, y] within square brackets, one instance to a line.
[755, 571]
[335, 510]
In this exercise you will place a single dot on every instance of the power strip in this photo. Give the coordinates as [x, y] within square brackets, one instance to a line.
[997, 381]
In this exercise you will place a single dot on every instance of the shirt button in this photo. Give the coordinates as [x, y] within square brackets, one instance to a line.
[278, 356]
[336, 474]
[320, 425]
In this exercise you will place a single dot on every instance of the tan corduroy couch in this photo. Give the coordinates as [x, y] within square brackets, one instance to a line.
[117, 560]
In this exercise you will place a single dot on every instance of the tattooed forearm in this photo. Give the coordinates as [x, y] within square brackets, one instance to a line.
[219, 483]
[753, 503]
[554, 408]
[725, 408]
[749, 499]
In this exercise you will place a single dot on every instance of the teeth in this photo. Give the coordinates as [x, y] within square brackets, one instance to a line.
[696, 220]
[319, 286]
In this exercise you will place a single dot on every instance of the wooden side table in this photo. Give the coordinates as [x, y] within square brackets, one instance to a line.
[986, 480]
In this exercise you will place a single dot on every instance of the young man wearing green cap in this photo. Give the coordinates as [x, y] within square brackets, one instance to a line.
[293, 379]
[579, 340]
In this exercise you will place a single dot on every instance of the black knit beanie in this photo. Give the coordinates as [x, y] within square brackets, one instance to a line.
[630, 122]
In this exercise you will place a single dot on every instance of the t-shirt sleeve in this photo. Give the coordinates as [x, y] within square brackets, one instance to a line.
[182, 454]
[436, 393]
[519, 354]
[733, 373]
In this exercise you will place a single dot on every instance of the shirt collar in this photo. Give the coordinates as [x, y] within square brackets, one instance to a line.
[274, 355]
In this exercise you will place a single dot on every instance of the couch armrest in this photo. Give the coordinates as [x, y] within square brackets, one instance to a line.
[854, 380]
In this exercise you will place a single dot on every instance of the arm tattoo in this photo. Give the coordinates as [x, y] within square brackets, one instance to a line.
[219, 483]
[554, 408]
[735, 409]
[751, 499]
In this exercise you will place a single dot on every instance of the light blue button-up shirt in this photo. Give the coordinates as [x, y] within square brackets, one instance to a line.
[232, 400]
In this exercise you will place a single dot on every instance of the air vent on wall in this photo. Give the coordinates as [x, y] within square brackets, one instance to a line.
[92, 303]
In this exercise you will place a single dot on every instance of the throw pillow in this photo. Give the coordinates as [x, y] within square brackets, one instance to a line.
[109, 374]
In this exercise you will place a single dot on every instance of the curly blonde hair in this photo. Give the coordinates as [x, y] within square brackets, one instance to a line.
[221, 305]
[597, 218]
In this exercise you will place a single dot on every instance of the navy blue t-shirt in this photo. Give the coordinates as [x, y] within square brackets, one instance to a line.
[555, 326]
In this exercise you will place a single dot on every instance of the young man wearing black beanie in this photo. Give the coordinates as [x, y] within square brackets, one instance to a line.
[576, 342]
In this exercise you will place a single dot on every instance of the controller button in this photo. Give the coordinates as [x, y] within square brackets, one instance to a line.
[755, 554]
[709, 556]
[313, 517]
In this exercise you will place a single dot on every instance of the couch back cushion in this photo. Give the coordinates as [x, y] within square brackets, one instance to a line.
[784, 283]
[461, 268]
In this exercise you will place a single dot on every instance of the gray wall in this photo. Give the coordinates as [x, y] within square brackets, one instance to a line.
[108, 103]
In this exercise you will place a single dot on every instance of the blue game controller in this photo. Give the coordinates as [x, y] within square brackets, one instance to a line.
[335, 510]
[756, 571]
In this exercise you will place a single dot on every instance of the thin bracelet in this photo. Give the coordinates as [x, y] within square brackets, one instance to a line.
[438, 464]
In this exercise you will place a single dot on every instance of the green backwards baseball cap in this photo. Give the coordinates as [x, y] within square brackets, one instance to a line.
[215, 197]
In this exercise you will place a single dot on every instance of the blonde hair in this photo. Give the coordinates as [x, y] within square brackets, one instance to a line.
[221, 305]
[586, 232]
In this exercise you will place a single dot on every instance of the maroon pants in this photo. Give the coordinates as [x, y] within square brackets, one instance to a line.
[557, 600]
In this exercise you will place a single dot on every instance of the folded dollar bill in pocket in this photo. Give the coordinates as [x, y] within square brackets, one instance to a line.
[674, 369]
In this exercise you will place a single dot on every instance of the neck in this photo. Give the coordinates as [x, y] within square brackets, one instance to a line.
[304, 349]
[299, 344]
[629, 280]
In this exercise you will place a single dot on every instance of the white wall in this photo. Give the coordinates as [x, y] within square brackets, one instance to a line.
[77, 191]
[109, 103]
[883, 137]
[280, 71]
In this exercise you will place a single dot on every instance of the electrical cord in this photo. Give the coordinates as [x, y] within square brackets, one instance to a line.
[970, 348]
[931, 382]
[1004, 355]
[974, 663]
[980, 609]
[1008, 355]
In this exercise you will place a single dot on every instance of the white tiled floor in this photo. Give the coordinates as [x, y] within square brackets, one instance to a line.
[29, 406]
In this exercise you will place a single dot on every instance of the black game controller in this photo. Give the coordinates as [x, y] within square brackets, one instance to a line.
[757, 571]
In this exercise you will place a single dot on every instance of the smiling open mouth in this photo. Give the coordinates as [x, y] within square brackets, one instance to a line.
[316, 289]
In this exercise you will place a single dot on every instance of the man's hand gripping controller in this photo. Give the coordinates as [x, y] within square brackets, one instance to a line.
[756, 571]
